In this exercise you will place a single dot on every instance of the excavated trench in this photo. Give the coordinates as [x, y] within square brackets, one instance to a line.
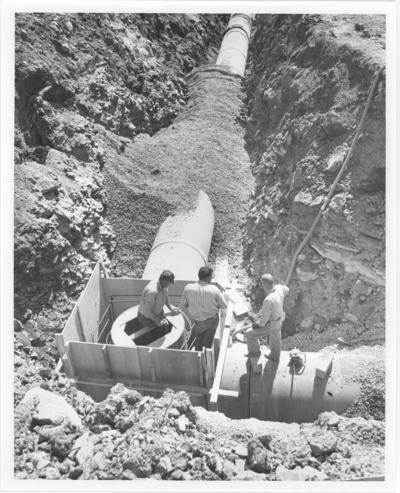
[99, 166]
[304, 99]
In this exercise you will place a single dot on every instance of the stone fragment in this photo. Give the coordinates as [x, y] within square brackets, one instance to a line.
[249, 476]
[177, 475]
[52, 473]
[50, 408]
[40, 459]
[61, 445]
[181, 423]
[240, 464]
[257, 456]
[124, 423]
[241, 451]
[334, 124]
[164, 466]
[228, 470]
[336, 159]
[284, 474]
[75, 473]
[307, 323]
[309, 473]
[18, 361]
[100, 460]
[173, 413]
[322, 442]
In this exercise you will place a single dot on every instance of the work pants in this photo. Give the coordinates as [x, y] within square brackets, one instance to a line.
[273, 332]
[203, 332]
[147, 322]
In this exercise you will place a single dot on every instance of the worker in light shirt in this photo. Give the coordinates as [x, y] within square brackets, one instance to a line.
[271, 318]
[152, 301]
[202, 301]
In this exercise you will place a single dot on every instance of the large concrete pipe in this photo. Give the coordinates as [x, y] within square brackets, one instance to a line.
[183, 242]
[282, 392]
[233, 51]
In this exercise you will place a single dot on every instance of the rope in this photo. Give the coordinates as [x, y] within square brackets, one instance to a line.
[338, 176]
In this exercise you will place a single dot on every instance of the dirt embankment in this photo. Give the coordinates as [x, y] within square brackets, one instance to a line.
[86, 85]
[308, 86]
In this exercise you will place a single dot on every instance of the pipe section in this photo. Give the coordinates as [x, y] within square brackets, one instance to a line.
[183, 242]
[281, 393]
[234, 46]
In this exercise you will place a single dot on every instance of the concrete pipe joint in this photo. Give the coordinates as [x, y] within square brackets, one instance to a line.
[183, 242]
[234, 46]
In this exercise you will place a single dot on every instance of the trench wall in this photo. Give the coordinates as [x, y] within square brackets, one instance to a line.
[308, 86]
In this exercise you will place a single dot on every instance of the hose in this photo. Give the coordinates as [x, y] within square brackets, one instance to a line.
[338, 176]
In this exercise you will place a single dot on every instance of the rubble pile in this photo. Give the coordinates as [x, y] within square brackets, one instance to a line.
[130, 436]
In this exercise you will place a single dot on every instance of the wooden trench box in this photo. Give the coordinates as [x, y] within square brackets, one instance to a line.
[88, 356]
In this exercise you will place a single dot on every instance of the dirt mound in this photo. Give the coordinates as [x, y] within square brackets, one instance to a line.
[157, 176]
[130, 436]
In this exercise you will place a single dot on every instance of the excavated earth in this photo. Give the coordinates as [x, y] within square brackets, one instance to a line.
[120, 120]
[308, 86]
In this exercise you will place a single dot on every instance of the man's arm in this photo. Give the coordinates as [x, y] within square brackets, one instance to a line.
[265, 313]
[174, 310]
[221, 302]
[285, 289]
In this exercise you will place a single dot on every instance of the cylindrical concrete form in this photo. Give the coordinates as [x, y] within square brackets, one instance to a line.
[233, 51]
[280, 393]
[183, 242]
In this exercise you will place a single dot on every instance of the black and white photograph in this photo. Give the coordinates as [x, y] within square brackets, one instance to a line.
[199, 246]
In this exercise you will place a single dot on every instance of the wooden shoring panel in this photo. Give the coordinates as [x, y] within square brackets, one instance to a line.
[124, 362]
[146, 386]
[123, 303]
[91, 305]
[177, 366]
[72, 328]
[87, 359]
[221, 355]
[60, 344]
[209, 366]
[122, 286]
[146, 363]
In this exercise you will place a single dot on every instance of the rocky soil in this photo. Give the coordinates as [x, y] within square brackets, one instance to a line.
[307, 88]
[62, 434]
[111, 136]
[86, 85]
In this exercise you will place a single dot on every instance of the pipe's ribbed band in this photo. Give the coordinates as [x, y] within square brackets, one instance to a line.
[237, 26]
[197, 249]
